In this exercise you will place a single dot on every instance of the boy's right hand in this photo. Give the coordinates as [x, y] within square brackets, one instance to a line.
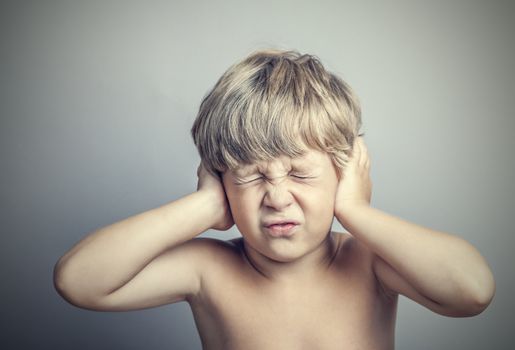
[213, 186]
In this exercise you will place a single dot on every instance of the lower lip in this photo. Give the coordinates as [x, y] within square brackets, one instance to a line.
[285, 230]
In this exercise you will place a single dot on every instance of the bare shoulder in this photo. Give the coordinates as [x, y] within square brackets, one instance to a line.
[211, 254]
[217, 263]
[209, 248]
[352, 251]
[355, 258]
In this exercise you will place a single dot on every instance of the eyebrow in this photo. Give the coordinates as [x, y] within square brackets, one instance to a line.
[304, 164]
[245, 170]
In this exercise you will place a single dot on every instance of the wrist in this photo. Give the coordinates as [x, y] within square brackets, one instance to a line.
[218, 214]
[347, 212]
[210, 201]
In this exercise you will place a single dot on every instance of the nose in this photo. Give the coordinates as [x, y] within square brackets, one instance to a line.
[277, 195]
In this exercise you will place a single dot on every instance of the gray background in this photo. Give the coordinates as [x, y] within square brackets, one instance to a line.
[97, 98]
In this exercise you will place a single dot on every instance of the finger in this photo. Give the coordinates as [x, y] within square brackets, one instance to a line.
[367, 164]
[362, 155]
[356, 150]
[362, 144]
[365, 158]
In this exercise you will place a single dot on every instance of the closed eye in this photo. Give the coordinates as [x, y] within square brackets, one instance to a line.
[297, 176]
[244, 182]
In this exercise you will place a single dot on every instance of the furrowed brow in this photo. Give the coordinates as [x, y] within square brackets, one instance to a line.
[245, 170]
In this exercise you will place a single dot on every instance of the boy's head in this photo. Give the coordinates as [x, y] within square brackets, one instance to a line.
[275, 103]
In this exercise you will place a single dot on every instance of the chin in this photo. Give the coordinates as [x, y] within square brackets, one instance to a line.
[285, 251]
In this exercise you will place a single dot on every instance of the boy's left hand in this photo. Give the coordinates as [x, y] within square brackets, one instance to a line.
[355, 187]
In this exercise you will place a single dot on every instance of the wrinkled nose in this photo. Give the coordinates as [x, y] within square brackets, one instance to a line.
[277, 195]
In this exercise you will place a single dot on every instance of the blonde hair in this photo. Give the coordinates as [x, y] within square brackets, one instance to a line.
[276, 103]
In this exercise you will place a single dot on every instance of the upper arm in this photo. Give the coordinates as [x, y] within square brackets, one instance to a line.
[393, 283]
[173, 276]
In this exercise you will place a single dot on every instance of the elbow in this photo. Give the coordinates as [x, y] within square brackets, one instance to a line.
[480, 300]
[475, 287]
[483, 290]
[59, 278]
[477, 297]
[63, 285]
[69, 288]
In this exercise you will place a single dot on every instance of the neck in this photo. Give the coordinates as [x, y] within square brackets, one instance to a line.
[303, 268]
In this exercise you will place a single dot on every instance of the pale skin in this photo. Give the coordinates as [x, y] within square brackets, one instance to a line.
[312, 289]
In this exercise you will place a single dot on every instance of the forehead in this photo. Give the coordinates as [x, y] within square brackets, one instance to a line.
[310, 160]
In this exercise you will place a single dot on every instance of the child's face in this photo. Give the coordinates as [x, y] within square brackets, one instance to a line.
[297, 194]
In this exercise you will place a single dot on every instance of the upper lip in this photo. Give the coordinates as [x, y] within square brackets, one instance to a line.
[269, 223]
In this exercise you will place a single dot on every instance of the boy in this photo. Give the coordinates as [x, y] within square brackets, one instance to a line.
[280, 158]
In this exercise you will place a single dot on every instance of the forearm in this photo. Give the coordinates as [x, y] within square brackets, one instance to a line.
[442, 267]
[111, 256]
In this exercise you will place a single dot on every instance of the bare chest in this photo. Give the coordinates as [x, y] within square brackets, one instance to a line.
[328, 315]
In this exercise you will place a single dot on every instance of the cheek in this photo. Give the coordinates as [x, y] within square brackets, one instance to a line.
[244, 207]
[319, 205]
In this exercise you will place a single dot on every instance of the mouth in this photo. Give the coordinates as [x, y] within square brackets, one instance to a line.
[282, 228]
